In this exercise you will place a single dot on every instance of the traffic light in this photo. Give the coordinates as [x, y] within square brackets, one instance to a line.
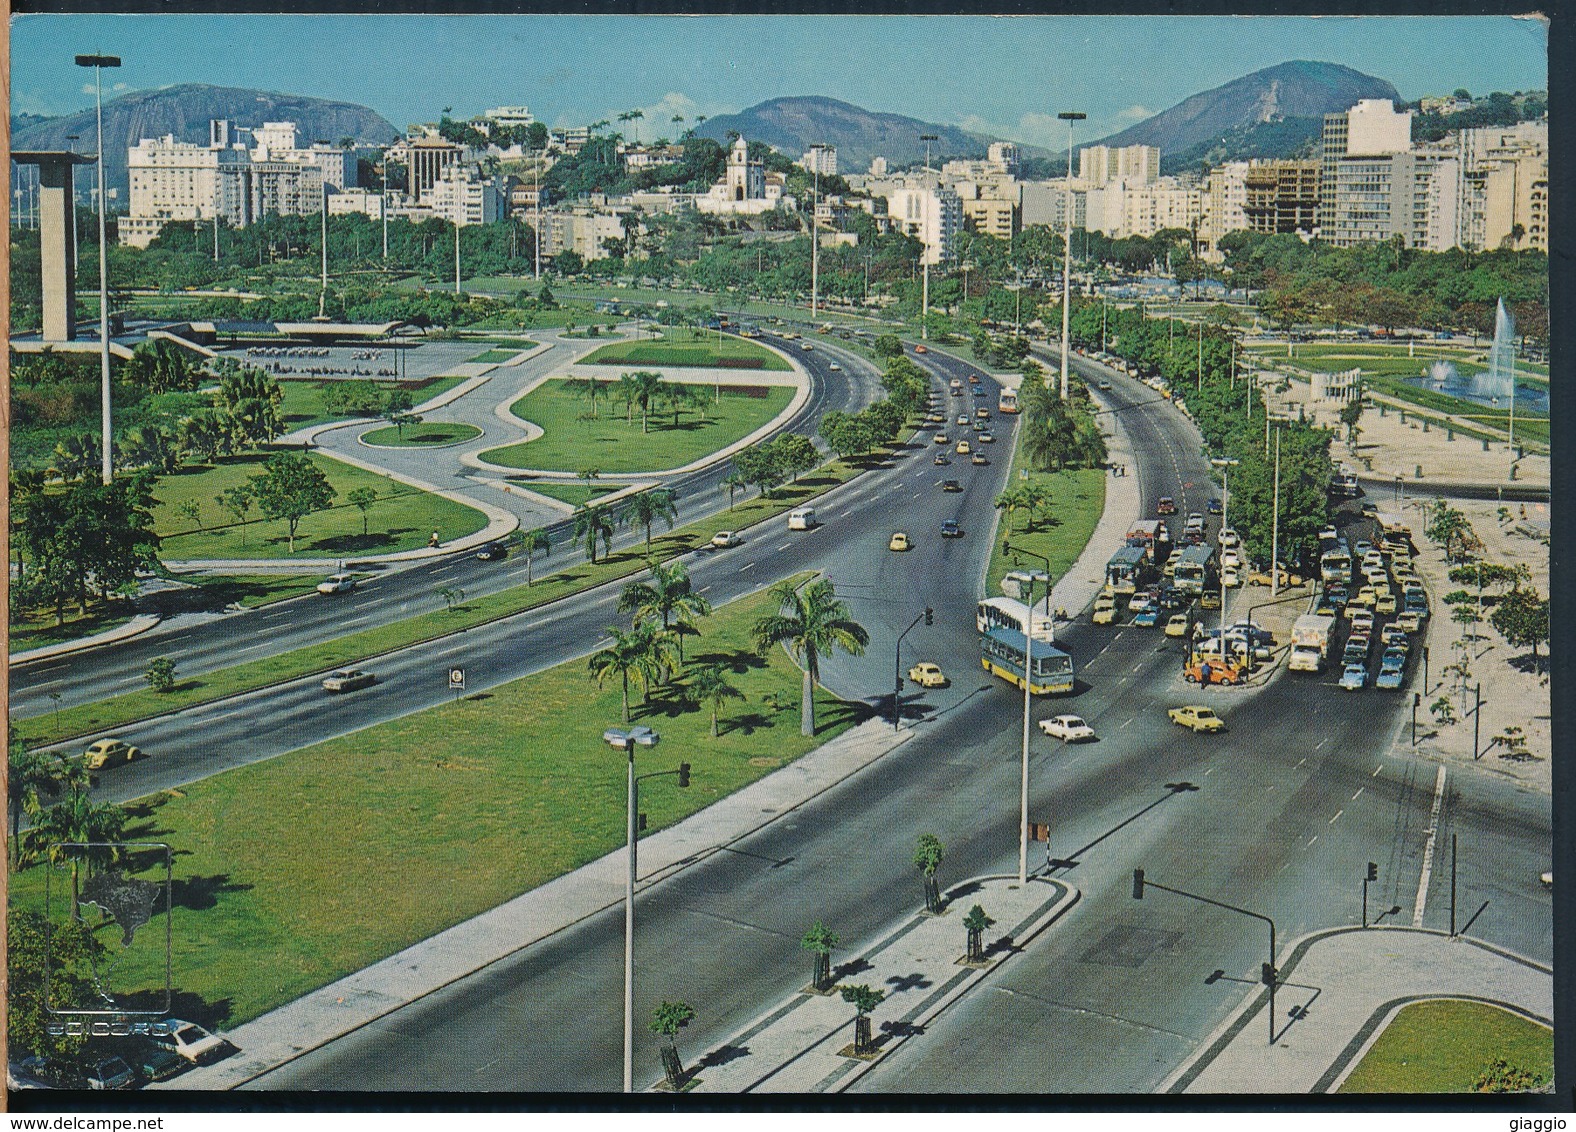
[684, 769]
[930, 616]
[1267, 974]
[1138, 884]
[1373, 871]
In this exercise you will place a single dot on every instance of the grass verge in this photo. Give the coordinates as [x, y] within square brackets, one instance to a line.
[402, 518]
[421, 436]
[1078, 500]
[303, 404]
[574, 494]
[520, 780]
[571, 440]
[682, 347]
[120, 711]
[1441, 1046]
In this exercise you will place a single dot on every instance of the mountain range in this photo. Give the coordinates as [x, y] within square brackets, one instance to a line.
[184, 110]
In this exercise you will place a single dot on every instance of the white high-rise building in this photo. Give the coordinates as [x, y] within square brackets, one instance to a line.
[1224, 197]
[1134, 164]
[820, 159]
[1374, 128]
[462, 196]
[175, 180]
[510, 116]
[932, 216]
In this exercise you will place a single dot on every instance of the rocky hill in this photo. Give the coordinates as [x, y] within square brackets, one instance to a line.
[185, 111]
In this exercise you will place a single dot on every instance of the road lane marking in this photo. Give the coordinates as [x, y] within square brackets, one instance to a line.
[1129, 720]
[1209, 772]
[1428, 850]
[1321, 742]
[784, 547]
[1300, 762]
[1359, 792]
[845, 514]
[1137, 666]
[703, 589]
[751, 566]
[1338, 813]
[1268, 788]
[1377, 769]
[1311, 840]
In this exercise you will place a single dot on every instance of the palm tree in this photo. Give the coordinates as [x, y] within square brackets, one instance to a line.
[647, 507]
[587, 387]
[593, 522]
[531, 542]
[75, 456]
[927, 859]
[1038, 496]
[667, 596]
[635, 115]
[628, 392]
[709, 685]
[63, 828]
[29, 776]
[623, 656]
[811, 622]
[1011, 500]
[647, 388]
[733, 483]
[658, 656]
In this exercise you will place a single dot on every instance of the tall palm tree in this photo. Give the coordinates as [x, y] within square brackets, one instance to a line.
[587, 387]
[647, 389]
[636, 115]
[1039, 496]
[733, 483]
[76, 819]
[628, 390]
[530, 542]
[668, 596]
[592, 522]
[658, 656]
[29, 776]
[647, 507]
[1012, 499]
[812, 623]
[709, 685]
[624, 656]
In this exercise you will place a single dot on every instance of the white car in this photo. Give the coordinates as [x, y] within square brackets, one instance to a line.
[337, 584]
[835, 366]
[722, 540]
[192, 1042]
[1067, 728]
[1228, 537]
[1230, 559]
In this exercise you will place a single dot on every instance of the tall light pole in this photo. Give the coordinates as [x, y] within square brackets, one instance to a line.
[815, 240]
[1028, 673]
[322, 295]
[1068, 116]
[456, 255]
[98, 63]
[1225, 464]
[536, 176]
[924, 316]
[1275, 525]
[385, 213]
[71, 196]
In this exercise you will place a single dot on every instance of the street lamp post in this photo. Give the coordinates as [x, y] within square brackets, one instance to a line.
[1028, 673]
[98, 63]
[1068, 116]
[924, 315]
[1225, 464]
[897, 665]
[815, 240]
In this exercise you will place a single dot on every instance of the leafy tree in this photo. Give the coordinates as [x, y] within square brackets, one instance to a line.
[646, 507]
[821, 940]
[975, 924]
[238, 501]
[30, 775]
[863, 999]
[668, 1019]
[76, 456]
[1522, 618]
[759, 464]
[191, 511]
[796, 454]
[63, 831]
[91, 533]
[812, 623]
[927, 859]
[592, 522]
[68, 953]
[709, 685]
[396, 408]
[362, 498]
[291, 487]
[1351, 413]
[161, 674]
[888, 346]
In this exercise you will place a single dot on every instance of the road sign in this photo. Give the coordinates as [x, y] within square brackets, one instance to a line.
[457, 679]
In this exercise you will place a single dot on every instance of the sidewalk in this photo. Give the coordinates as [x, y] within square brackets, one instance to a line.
[803, 1045]
[334, 1010]
[1338, 989]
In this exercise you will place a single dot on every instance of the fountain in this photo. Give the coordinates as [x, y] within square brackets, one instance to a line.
[1440, 373]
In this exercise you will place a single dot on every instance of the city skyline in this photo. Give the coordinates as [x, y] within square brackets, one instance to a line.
[714, 65]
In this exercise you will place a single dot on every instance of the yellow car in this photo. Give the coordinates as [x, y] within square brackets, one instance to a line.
[1177, 626]
[899, 541]
[1104, 611]
[109, 751]
[1385, 604]
[928, 675]
[963, 448]
[941, 438]
[1196, 718]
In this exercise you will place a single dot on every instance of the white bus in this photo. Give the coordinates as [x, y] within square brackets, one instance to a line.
[1008, 401]
[1009, 613]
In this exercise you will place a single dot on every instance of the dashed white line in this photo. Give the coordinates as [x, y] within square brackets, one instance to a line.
[751, 566]
[785, 546]
[1136, 667]
[1300, 762]
[1377, 769]
[1321, 742]
[1129, 720]
[1359, 792]
[845, 514]
[1311, 840]
[1338, 813]
[1268, 788]
[1209, 772]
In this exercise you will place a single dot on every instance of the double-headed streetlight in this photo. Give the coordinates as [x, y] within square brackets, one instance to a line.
[98, 63]
[627, 739]
[924, 317]
[1225, 464]
[1028, 676]
[1068, 116]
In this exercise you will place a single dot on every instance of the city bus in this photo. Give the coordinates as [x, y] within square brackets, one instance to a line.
[1009, 613]
[1153, 535]
[1195, 569]
[1128, 569]
[1008, 401]
[1002, 654]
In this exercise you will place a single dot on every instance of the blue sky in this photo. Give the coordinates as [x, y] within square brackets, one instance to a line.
[1005, 76]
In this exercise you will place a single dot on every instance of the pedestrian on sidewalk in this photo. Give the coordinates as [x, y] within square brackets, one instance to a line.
[433, 542]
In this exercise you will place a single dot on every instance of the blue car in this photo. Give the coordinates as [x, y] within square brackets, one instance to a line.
[1355, 677]
[1147, 617]
[1390, 677]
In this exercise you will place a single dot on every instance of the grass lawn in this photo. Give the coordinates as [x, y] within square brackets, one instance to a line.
[1078, 499]
[1529, 426]
[1441, 1046]
[300, 869]
[571, 440]
[401, 519]
[421, 436]
[681, 346]
[35, 628]
[551, 585]
[498, 355]
[303, 401]
[574, 494]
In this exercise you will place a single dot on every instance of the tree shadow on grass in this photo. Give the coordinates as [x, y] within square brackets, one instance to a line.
[737, 661]
[354, 543]
[200, 893]
[749, 723]
[852, 713]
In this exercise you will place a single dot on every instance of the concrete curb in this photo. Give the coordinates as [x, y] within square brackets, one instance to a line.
[141, 623]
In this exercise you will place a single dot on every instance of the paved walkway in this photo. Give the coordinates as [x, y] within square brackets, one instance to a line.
[803, 1044]
[1338, 989]
[141, 623]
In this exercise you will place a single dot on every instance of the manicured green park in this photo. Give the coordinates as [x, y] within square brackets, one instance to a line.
[1443, 1045]
[304, 403]
[574, 494]
[613, 441]
[425, 435]
[395, 824]
[681, 346]
[402, 517]
[1059, 528]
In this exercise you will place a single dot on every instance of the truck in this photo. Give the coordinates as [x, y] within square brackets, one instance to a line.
[1154, 536]
[1310, 642]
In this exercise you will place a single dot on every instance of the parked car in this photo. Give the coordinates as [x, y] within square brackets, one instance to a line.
[1212, 670]
[337, 584]
[1067, 728]
[899, 541]
[110, 752]
[495, 551]
[1410, 620]
[154, 1062]
[348, 680]
[950, 529]
[928, 675]
[1196, 718]
[105, 1073]
[43, 1073]
[193, 1042]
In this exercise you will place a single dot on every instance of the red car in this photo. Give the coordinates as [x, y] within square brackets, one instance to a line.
[1166, 506]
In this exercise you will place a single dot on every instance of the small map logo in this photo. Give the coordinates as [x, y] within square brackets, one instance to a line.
[125, 901]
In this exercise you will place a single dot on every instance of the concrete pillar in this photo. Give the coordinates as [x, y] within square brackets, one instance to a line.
[57, 230]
